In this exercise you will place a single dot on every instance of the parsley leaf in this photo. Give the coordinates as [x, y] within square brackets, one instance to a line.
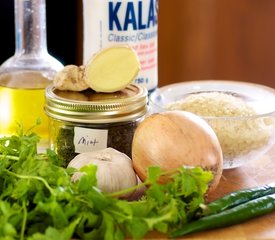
[38, 200]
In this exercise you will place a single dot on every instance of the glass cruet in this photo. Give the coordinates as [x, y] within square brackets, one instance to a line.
[24, 76]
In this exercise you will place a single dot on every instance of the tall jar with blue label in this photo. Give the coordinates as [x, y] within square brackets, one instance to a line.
[131, 22]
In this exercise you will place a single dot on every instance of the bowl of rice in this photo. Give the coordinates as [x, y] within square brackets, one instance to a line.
[241, 114]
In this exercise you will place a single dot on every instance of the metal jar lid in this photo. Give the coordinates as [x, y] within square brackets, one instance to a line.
[91, 107]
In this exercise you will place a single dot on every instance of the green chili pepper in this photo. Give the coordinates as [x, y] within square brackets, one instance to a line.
[235, 215]
[238, 197]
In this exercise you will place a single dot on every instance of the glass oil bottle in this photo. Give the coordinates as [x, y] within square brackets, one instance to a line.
[25, 75]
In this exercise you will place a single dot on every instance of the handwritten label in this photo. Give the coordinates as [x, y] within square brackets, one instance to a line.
[87, 140]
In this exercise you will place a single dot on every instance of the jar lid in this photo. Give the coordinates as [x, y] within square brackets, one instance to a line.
[92, 107]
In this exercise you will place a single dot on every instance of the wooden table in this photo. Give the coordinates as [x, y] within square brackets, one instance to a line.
[256, 173]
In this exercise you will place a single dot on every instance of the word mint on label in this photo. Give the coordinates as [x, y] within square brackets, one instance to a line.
[135, 23]
[88, 140]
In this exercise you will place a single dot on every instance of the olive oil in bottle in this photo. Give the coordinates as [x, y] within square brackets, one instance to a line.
[25, 75]
[21, 102]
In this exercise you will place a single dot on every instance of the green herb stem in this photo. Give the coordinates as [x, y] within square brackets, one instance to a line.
[127, 190]
[24, 222]
[10, 157]
[34, 178]
[147, 182]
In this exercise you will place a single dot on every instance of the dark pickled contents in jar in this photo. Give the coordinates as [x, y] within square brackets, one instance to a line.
[65, 145]
[120, 137]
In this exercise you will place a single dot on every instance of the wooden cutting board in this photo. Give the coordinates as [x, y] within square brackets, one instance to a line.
[256, 173]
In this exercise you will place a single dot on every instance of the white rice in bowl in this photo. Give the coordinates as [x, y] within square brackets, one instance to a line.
[233, 120]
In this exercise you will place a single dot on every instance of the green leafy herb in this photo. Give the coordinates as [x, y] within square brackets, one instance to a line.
[39, 201]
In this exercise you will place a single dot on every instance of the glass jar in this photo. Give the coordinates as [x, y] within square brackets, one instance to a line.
[89, 121]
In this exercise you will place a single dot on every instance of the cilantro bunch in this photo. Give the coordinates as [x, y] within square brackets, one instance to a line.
[39, 201]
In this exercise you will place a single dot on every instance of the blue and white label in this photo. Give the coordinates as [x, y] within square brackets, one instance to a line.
[133, 16]
[135, 23]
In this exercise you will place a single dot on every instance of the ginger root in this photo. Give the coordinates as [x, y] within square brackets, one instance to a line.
[71, 78]
[110, 70]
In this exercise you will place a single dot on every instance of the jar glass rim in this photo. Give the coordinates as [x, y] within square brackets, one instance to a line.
[89, 106]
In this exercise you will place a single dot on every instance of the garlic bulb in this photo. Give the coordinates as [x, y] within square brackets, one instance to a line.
[114, 169]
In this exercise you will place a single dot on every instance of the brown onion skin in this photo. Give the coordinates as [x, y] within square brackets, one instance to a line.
[173, 139]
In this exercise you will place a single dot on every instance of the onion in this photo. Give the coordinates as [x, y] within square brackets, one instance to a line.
[173, 139]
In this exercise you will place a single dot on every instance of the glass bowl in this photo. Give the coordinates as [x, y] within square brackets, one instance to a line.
[245, 133]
